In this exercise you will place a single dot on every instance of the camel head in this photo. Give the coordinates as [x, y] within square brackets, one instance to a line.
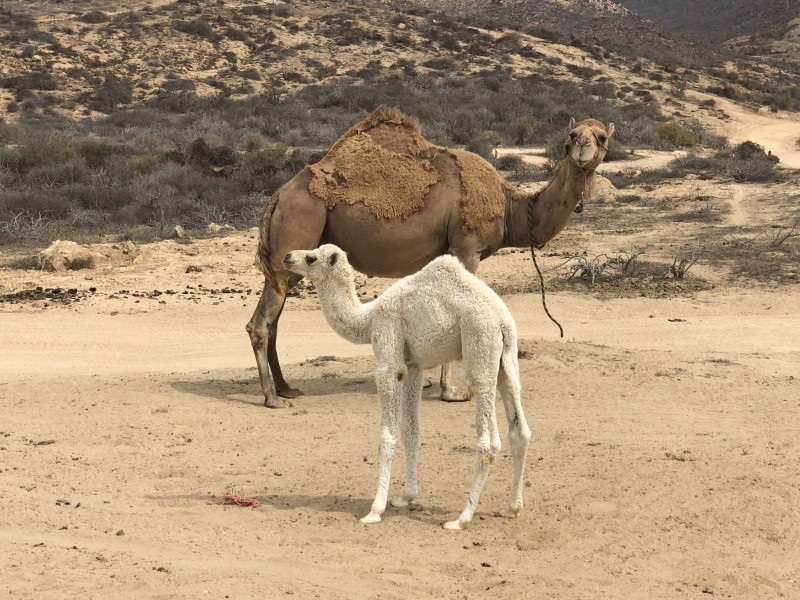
[587, 142]
[319, 264]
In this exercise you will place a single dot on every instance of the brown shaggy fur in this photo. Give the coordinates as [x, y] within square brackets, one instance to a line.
[482, 192]
[383, 162]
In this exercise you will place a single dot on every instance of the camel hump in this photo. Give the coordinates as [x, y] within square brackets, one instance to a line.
[383, 162]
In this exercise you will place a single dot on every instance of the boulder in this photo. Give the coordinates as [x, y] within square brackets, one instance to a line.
[64, 255]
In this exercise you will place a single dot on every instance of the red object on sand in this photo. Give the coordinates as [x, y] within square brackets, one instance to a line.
[232, 498]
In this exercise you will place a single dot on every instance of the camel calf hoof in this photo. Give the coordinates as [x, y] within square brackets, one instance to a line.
[371, 518]
[512, 512]
[454, 525]
[401, 501]
[277, 403]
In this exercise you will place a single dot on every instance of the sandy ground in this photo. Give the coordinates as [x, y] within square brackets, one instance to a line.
[663, 464]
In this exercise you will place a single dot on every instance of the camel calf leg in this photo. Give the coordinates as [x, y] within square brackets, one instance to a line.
[389, 379]
[409, 427]
[518, 434]
[487, 449]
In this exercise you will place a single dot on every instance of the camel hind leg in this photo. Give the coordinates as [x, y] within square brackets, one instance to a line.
[481, 362]
[519, 434]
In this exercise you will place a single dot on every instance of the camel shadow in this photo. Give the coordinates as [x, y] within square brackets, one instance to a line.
[357, 507]
[247, 390]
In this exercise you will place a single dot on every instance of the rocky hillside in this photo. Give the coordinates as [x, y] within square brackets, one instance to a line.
[609, 23]
[771, 27]
[190, 111]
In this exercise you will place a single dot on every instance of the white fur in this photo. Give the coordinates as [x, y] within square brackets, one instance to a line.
[439, 314]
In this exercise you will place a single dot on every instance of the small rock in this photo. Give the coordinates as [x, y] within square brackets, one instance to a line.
[179, 232]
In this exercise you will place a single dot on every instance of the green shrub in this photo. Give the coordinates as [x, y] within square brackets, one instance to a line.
[675, 135]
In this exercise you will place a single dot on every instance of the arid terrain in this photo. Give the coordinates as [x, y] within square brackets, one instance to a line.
[663, 464]
[666, 421]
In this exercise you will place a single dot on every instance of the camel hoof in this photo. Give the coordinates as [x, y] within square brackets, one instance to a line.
[454, 396]
[277, 403]
[289, 392]
[371, 518]
[454, 525]
[401, 502]
[512, 512]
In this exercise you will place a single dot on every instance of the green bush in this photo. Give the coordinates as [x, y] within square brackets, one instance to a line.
[672, 135]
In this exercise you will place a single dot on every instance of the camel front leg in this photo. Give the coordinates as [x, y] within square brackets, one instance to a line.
[389, 379]
[409, 427]
[259, 328]
[487, 448]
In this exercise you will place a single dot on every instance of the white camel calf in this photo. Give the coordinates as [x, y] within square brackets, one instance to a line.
[440, 314]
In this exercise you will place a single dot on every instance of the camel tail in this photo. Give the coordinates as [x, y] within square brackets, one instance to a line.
[263, 254]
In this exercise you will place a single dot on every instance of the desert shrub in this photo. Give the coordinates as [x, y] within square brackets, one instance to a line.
[198, 27]
[746, 162]
[39, 149]
[671, 63]
[672, 135]
[202, 154]
[34, 202]
[726, 91]
[33, 80]
[111, 93]
[237, 35]
[483, 144]
[616, 151]
[96, 153]
[602, 89]
[94, 17]
[440, 63]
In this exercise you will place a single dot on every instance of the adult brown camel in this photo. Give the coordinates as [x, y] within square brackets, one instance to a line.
[394, 202]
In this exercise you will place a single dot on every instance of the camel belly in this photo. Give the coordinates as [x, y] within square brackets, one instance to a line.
[388, 248]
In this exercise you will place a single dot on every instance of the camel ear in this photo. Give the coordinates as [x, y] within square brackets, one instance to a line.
[572, 123]
[610, 129]
[333, 258]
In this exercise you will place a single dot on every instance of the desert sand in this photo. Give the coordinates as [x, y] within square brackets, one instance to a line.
[663, 464]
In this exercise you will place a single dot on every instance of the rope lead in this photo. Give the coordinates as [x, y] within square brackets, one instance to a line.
[531, 202]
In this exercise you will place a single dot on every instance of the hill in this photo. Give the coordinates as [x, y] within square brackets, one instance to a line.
[770, 27]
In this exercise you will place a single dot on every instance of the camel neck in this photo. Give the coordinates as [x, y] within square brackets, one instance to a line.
[551, 211]
[343, 310]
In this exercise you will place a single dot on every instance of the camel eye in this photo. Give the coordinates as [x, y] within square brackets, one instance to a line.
[311, 259]
[603, 139]
[573, 134]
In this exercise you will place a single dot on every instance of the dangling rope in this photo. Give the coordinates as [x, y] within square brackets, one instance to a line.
[531, 202]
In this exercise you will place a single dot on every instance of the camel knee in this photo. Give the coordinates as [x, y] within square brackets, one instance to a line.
[258, 335]
[487, 452]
